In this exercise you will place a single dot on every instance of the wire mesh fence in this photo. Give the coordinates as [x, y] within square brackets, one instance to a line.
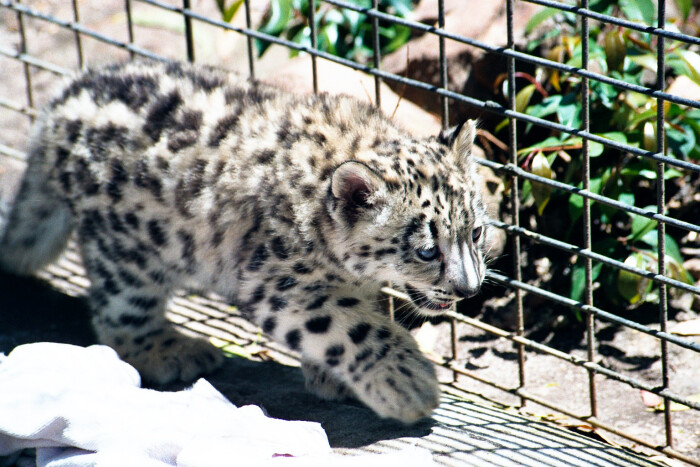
[511, 170]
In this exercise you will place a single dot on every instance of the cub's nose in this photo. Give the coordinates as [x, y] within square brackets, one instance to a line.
[465, 292]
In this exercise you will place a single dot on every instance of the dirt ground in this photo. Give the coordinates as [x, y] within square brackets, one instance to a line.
[629, 352]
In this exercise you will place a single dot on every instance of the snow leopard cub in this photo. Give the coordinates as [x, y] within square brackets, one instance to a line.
[296, 208]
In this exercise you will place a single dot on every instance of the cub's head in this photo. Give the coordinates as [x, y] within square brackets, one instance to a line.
[410, 212]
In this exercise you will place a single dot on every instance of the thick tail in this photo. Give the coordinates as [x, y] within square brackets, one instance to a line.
[36, 229]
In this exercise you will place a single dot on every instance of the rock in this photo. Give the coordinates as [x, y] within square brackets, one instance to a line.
[685, 87]
[693, 267]
[683, 302]
[690, 327]
[296, 76]
[427, 10]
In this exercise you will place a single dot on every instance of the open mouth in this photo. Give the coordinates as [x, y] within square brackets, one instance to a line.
[421, 301]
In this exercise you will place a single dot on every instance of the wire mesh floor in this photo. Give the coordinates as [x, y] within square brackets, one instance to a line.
[461, 432]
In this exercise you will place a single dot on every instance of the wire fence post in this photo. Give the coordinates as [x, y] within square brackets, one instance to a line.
[129, 27]
[314, 44]
[29, 93]
[78, 39]
[444, 104]
[249, 40]
[585, 121]
[376, 56]
[661, 209]
[189, 34]
[515, 196]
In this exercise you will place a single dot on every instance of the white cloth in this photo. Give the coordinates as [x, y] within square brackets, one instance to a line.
[84, 407]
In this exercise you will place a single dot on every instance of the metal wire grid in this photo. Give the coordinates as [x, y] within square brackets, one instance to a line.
[510, 170]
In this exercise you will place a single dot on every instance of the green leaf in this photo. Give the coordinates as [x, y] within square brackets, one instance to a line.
[569, 111]
[541, 193]
[502, 124]
[615, 50]
[526, 191]
[402, 8]
[401, 35]
[681, 141]
[607, 246]
[547, 107]
[684, 6]
[627, 198]
[578, 279]
[328, 37]
[675, 270]
[641, 225]
[354, 20]
[280, 15]
[575, 207]
[672, 249]
[616, 136]
[522, 99]
[602, 6]
[647, 61]
[647, 173]
[632, 287]
[576, 201]
[554, 32]
[539, 17]
[605, 93]
[639, 10]
[595, 149]
[651, 238]
[578, 282]
[545, 143]
[337, 17]
[228, 12]
[692, 61]
[693, 122]
[672, 173]
[647, 115]
[595, 185]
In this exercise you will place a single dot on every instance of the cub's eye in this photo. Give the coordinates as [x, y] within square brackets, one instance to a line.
[428, 254]
[476, 233]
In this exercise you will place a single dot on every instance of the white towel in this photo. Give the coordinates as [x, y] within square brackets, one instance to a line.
[84, 407]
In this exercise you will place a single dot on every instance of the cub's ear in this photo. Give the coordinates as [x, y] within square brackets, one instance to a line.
[460, 140]
[356, 184]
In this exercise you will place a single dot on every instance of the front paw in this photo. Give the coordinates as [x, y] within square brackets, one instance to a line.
[399, 383]
[322, 382]
[171, 356]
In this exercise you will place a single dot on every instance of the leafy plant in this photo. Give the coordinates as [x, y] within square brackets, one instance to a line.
[622, 116]
[228, 11]
[340, 31]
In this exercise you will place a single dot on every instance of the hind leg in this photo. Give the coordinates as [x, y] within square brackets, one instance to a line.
[129, 297]
[37, 227]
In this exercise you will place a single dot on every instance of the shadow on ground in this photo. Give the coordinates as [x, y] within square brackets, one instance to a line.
[32, 310]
